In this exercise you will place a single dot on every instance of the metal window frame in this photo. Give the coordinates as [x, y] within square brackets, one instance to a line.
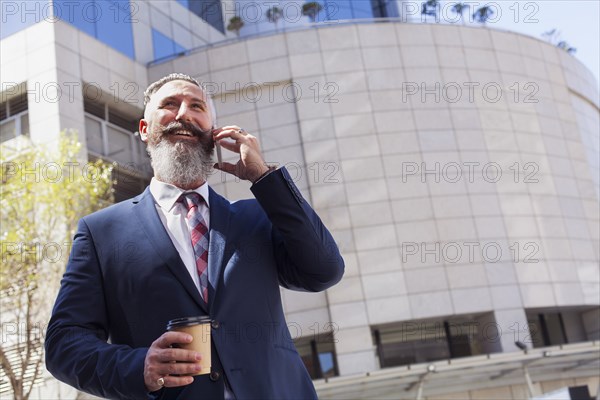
[104, 125]
[17, 119]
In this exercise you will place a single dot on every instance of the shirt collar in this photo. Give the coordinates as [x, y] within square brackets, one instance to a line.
[166, 195]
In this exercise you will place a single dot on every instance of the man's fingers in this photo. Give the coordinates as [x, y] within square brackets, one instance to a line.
[175, 381]
[231, 146]
[178, 368]
[169, 338]
[235, 133]
[227, 167]
[181, 355]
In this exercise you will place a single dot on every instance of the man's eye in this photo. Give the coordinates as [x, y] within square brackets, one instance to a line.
[168, 104]
[198, 106]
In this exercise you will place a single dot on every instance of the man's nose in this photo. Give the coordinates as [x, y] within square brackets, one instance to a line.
[183, 113]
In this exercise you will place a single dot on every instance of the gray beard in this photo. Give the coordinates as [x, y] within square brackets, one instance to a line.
[181, 164]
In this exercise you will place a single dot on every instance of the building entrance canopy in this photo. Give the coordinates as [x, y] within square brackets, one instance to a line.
[470, 373]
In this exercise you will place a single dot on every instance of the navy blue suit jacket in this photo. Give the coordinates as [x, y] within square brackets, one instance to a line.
[125, 280]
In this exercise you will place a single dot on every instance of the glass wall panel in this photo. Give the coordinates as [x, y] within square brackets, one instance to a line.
[338, 9]
[8, 130]
[385, 8]
[362, 9]
[93, 135]
[25, 124]
[82, 14]
[164, 46]
[107, 20]
[208, 10]
[318, 354]
[119, 145]
[114, 27]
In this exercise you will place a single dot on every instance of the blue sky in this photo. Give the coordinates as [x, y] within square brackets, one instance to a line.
[577, 20]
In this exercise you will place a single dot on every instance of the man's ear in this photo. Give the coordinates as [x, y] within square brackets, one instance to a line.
[143, 128]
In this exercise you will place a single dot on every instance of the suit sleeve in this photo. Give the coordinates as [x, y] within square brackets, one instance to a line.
[76, 345]
[306, 253]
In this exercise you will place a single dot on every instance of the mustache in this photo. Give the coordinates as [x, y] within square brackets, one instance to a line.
[175, 126]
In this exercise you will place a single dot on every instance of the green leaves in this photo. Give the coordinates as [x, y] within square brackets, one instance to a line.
[235, 25]
[44, 190]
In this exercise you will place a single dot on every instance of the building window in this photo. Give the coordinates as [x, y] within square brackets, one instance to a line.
[546, 329]
[385, 8]
[318, 355]
[107, 20]
[208, 10]
[414, 342]
[347, 9]
[164, 46]
[14, 118]
[110, 134]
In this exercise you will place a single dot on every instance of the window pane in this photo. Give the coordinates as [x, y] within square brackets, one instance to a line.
[178, 48]
[210, 11]
[338, 10]
[327, 364]
[119, 145]
[7, 130]
[555, 329]
[114, 26]
[163, 46]
[17, 104]
[93, 135]
[83, 14]
[384, 8]
[25, 124]
[362, 9]
[3, 111]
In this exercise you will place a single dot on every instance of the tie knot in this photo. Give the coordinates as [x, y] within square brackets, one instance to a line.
[189, 200]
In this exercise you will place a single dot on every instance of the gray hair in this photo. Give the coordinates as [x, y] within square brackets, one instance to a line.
[154, 87]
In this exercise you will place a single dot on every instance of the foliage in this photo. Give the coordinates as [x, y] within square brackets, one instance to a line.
[430, 7]
[554, 37]
[460, 8]
[235, 25]
[45, 189]
[274, 14]
[311, 10]
[566, 47]
[483, 14]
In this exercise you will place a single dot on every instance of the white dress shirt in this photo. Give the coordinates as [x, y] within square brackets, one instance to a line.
[173, 216]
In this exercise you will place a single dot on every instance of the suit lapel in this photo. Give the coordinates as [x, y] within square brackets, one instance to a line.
[154, 229]
[218, 248]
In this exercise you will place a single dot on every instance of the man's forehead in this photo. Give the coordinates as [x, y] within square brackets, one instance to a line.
[179, 87]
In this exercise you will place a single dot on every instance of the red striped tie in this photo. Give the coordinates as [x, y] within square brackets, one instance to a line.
[199, 235]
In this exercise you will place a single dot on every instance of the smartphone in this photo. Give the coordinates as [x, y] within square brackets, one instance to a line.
[213, 117]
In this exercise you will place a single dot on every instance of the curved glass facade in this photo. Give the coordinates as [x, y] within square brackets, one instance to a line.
[253, 13]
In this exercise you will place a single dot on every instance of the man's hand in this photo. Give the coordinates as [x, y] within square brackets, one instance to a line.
[251, 165]
[162, 361]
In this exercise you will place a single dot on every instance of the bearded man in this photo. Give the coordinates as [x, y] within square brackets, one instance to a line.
[181, 250]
